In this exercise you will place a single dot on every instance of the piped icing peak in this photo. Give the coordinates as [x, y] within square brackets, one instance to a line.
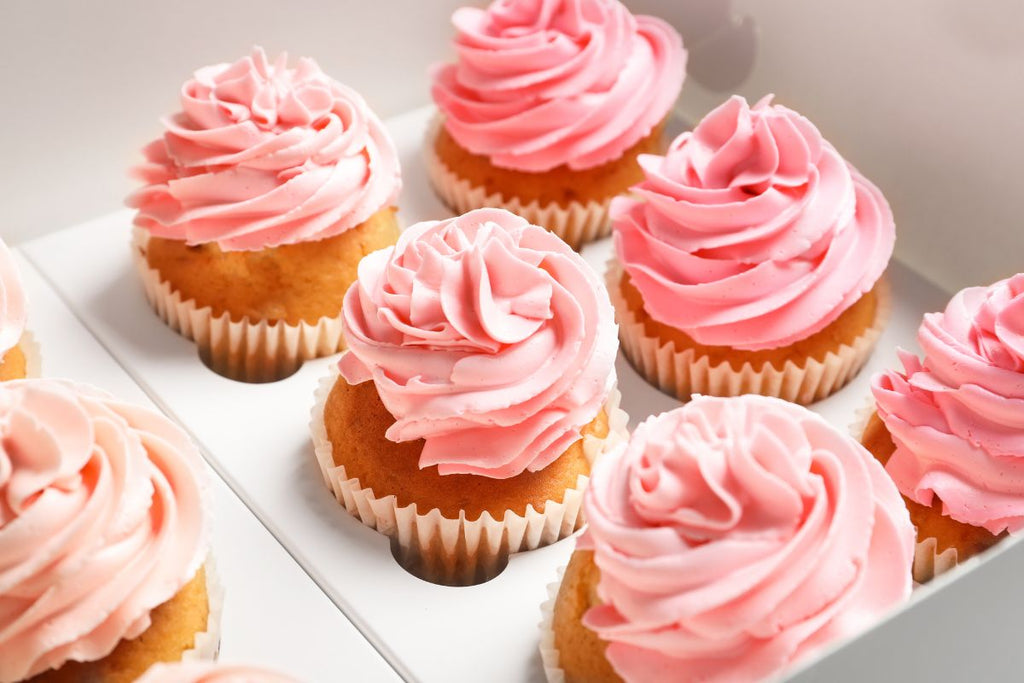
[545, 83]
[734, 536]
[957, 416]
[101, 520]
[12, 302]
[752, 231]
[263, 154]
[487, 337]
[210, 672]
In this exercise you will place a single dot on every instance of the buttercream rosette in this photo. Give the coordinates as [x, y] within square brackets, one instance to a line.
[752, 233]
[101, 521]
[209, 672]
[733, 537]
[261, 155]
[492, 341]
[541, 84]
[956, 416]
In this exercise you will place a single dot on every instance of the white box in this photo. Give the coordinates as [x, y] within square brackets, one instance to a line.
[923, 96]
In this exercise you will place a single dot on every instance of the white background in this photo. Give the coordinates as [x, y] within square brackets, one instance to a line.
[924, 96]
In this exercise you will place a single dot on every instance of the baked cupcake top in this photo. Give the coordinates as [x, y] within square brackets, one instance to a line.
[12, 302]
[210, 672]
[752, 231]
[957, 416]
[545, 83]
[262, 154]
[101, 520]
[487, 337]
[734, 536]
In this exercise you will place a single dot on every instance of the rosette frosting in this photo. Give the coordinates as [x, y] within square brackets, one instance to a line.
[12, 302]
[210, 672]
[752, 232]
[734, 536]
[262, 155]
[542, 83]
[487, 337]
[957, 417]
[100, 522]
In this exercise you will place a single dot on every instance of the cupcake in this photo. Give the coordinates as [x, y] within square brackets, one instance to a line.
[750, 260]
[547, 108]
[476, 391]
[102, 538]
[260, 198]
[949, 428]
[16, 348]
[729, 539]
[208, 672]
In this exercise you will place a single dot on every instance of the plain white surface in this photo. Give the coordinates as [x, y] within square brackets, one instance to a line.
[274, 615]
[257, 437]
[923, 96]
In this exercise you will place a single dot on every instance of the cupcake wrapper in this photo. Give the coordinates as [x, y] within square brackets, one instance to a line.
[458, 551]
[248, 351]
[576, 223]
[206, 646]
[548, 652]
[928, 562]
[684, 373]
[33, 355]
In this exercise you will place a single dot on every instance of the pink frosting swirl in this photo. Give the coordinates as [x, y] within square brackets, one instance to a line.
[752, 232]
[957, 418]
[263, 155]
[486, 336]
[736, 535]
[542, 83]
[12, 301]
[210, 672]
[100, 521]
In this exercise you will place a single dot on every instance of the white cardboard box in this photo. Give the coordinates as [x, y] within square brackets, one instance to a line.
[923, 96]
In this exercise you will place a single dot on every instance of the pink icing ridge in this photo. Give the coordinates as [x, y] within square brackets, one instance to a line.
[752, 232]
[542, 83]
[263, 155]
[210, 672]
[12, 301]
[957, 417]
[486, 336]
[736, 535]
[101, 520]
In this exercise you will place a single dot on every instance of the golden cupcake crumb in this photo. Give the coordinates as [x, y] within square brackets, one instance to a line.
[172, 632]
[928, 519]
[560, 185]
[305, 281]
[844, 330]
[581, 653]
[13, 364]
[356, 421]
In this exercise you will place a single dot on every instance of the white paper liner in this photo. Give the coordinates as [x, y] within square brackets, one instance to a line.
[576, 223]
[33, 355]
[457, 551]
[248, 351]
[206, 646]
[548, 652]
[683, 373]
[928, 562]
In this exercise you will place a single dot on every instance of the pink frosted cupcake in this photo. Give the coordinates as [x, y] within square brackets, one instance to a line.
[950, 427]
[208, 672]
[16, 348]
[547, 107]
[102, 538]
[729, 539]
[477, 389]
[260, 198]
[750, 260]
